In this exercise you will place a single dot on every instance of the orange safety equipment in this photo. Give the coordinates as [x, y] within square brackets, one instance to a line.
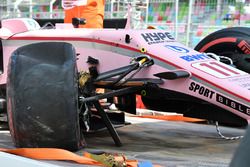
[64, 155]
[93, 12]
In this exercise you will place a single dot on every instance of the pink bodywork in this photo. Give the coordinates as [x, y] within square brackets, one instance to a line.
[210, 80]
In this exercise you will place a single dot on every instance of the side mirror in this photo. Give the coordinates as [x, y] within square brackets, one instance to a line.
[78, 21]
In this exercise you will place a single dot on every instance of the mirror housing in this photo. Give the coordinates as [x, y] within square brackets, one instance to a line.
[78, 21]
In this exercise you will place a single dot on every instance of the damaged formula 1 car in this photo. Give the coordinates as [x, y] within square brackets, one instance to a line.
[50, 77]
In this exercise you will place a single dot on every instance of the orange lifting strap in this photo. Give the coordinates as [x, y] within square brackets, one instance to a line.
[61, 155]
[50, 154]
[93, 12]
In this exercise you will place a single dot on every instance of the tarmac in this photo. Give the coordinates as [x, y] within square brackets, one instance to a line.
[165, 143]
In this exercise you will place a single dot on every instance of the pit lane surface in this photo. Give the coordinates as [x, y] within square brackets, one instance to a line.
[166, 143]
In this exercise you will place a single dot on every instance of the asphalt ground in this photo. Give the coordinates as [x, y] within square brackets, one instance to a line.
[166, 143]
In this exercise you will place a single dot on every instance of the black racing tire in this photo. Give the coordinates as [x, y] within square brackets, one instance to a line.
[230, 42]
[42, 96]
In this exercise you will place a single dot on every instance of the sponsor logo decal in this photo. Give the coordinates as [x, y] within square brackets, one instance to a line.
[232, 104]
[177, 49]
[195, 57]
[201, 90]
[244, 46]
[157, 37]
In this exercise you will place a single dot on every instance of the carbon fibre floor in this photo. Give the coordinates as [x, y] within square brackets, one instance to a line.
[167, 143]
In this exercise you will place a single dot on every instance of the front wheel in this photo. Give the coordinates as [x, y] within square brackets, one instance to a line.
[42, 96]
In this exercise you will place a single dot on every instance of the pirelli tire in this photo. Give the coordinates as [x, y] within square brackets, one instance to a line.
[230, 42]
[42, 96]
